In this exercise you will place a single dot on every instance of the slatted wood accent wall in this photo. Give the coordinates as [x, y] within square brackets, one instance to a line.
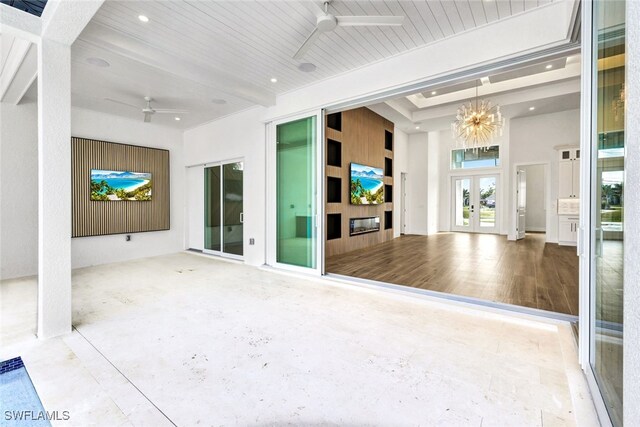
[363, 141]
[97, 218]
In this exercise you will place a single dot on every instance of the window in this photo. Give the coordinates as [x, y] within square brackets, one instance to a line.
[471, 159]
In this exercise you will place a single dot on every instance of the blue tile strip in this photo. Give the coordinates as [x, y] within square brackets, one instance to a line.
[11, 365]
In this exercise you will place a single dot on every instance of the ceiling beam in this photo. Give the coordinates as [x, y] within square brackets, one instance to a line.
[19, 23]
[131, 47]
[64, 20]
[19, 71]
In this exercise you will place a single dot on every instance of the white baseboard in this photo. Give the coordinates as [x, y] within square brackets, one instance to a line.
[537, 229]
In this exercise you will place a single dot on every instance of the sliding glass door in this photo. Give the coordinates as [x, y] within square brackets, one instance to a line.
[607, 203]
[295, 151]
[223, 209]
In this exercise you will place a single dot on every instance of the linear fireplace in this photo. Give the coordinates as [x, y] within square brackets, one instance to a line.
[363, 225]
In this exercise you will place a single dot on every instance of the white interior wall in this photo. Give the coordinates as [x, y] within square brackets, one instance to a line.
[18, 190]
[441, 182]
[87, 251]
[532, 140]
[536, 216]
[239, 136]
[434, 178]
[400, 166]
[417, 192]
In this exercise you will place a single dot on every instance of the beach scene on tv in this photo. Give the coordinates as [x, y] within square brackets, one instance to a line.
[367, 186]
[108, 185]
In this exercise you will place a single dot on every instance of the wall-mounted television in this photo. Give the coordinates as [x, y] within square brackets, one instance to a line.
[110, 185]
[367, 185]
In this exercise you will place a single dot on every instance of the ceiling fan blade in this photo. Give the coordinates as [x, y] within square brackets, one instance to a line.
[170, 111]
[123, 103]
[307, 44]
[147, 117]
[361, 21]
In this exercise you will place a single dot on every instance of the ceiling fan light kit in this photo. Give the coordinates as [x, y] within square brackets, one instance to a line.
[326, 22]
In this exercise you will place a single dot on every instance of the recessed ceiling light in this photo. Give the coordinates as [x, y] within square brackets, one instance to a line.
[434, 93]
[177, 119]
[143, 18]
[98, 62]
[532, 108]
[307, 67]
[548, 67]
[417, 127]
[274, 80]
[218, 101]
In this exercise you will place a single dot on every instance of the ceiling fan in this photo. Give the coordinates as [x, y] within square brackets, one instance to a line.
[326, 22]
[148, 110]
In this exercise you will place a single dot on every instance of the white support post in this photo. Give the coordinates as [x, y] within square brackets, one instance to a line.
[631, 358]
[54, 188]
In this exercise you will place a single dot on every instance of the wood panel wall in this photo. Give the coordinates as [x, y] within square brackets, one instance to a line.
[97, 218]
[363, 141]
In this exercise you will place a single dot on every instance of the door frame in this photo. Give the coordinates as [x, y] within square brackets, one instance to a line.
[221, 252]
[513, 205]
[474, 185]
[271, 193]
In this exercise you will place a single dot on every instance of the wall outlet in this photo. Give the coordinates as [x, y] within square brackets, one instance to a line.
[128, 238]
[252, 241]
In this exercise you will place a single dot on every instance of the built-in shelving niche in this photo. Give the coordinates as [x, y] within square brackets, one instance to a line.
[334, 226]
[388, 166]
[388, 220]
[388, 140]
[388, 193]
[334, 190]
[334, 121]
[334, 153]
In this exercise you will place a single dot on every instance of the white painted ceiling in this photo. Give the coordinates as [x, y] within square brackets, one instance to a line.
[546, 90]
[192, 52]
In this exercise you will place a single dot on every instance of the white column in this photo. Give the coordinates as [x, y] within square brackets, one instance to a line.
[54, 188]
[631, 361]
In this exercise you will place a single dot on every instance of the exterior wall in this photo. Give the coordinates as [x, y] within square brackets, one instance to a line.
[632, 222]
[18, 190]
[239, 136]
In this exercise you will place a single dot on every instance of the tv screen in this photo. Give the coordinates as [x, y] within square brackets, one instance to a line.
[109, 185]
[367, 186]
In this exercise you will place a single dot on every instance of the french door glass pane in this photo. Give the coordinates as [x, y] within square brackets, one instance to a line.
[608, 153]
[296, 193]
[462, 201]
[232, 205]
[212, 208]
[487, 201]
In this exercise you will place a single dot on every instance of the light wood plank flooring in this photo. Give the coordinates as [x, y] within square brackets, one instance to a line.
[529, 272]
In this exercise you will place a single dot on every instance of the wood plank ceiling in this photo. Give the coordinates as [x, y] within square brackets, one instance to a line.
[254, 41]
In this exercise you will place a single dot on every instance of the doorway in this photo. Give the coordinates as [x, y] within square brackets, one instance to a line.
[223, 209]
[474, 200]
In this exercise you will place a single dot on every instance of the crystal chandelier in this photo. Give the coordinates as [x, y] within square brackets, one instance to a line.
[476, 126]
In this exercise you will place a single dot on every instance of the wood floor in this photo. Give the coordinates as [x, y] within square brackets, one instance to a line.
[528, 272]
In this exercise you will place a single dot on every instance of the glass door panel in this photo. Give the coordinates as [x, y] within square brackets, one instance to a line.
[212, 183]
[607, 222]
[487, 204]
[463, 212]
[232, 200]
[296, 193]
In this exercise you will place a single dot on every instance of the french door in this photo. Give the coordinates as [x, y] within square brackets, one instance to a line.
[294, 193]
[474, 204]
[223, 209]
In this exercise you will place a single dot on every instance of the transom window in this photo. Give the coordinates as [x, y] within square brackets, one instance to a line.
[473, 159]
